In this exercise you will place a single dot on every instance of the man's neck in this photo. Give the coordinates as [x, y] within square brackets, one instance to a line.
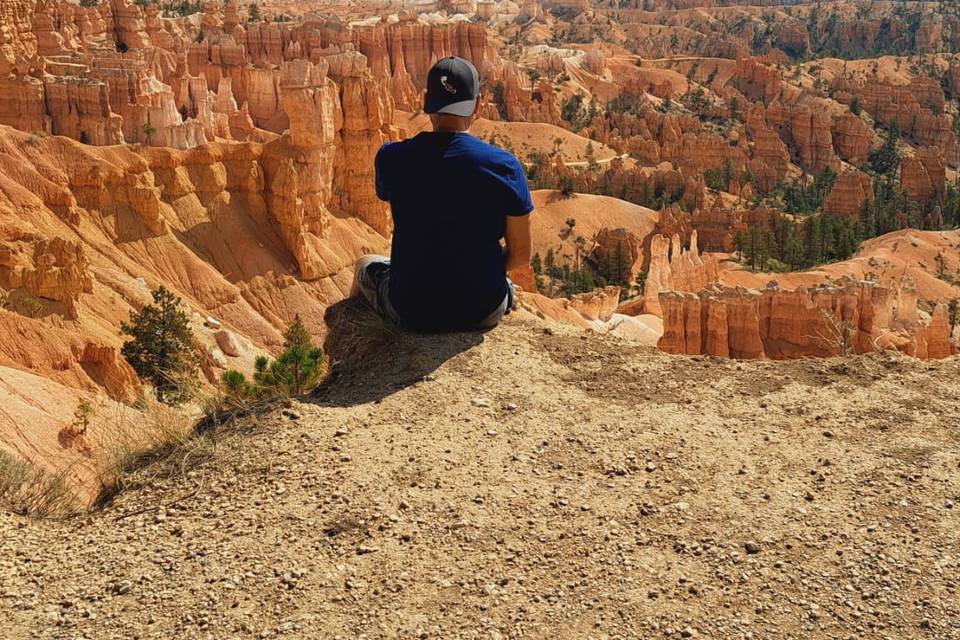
[451, 129]
[450, 124]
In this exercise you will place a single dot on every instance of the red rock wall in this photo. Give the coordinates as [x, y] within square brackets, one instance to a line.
[181, 84]
[923, 177]
[852, 138]
[717, 226]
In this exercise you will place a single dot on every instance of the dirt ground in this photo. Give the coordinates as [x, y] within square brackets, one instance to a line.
[530, 483]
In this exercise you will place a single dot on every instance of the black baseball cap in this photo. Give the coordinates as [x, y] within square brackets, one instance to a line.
[453, 86]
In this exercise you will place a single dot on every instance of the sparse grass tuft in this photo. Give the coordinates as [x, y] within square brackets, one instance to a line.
[372, 328]
[162, 434]
[226, 410]
[30, 491]
[35, 137]
[168, 443]
[157, 441]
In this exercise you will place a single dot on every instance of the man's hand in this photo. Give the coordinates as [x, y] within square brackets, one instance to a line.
[517, 237]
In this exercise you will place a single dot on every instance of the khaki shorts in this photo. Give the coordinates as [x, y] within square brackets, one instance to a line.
[372, 278]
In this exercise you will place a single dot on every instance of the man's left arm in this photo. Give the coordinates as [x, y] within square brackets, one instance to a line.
[518, 207]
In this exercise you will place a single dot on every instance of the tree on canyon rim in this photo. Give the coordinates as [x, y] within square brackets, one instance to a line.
[160, 350]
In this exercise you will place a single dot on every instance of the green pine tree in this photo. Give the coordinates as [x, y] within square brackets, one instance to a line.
[618, 265]
[296, 334]
[536, 264]
[753, 247]
[160, 349]
[793, 252]
[739, 244]
[886, 159]
[296, 370]
[641, 281]
[235, 386]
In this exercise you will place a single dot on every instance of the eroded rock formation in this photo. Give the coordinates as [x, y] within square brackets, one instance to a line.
[833, 319]
[673, 268]
[731, 28]
[917, 108]
[87, 232]
[619, 245]
[923, 177]
[119, 73]
[57, 270]
[596, 305]
[849, 193]
[851, 138]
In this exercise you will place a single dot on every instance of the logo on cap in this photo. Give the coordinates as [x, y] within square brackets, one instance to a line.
[449, 88]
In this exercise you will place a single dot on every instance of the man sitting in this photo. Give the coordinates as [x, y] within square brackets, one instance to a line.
[452, 198]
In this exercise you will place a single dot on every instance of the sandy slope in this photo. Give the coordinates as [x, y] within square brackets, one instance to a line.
[531, 484]
[591, 212]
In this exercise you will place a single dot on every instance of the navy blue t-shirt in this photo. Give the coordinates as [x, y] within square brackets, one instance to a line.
[449, 194]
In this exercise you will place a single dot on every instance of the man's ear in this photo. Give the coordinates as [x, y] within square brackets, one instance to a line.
[476, 108]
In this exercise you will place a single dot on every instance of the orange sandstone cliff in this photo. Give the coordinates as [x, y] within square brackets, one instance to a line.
[246, 233]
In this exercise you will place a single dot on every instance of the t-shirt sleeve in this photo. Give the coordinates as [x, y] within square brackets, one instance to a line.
[381, 172]
[518, 200]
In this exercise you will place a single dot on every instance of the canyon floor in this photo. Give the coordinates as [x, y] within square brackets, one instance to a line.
[530, 482]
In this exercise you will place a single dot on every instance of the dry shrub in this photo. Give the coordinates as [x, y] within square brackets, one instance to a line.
[835, 335]
[227, 412]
